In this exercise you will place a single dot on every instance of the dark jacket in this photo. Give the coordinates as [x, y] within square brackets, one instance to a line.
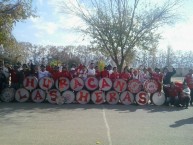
[167, 77]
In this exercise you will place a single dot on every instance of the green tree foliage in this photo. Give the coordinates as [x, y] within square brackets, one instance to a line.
[120, 27]
[12, 11]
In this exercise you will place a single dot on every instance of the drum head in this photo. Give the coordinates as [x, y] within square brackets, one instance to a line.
[52, 95]
[134, 86]
[150, 86]
[112, 97]
[30, 83]
[60, 100]
[98, 97]
[120, 85]
[83, 97]
[158, 98]
[105, 84]
[77, 84]
[68, 96]
[8, 94]
[38, 95]
[62, 84]
[142, 98]
[46, 83]
[91, 83]
[126, 98]
[22, 95]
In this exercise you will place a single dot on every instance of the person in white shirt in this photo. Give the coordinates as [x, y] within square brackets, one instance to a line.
[91, 70]
[43, 72]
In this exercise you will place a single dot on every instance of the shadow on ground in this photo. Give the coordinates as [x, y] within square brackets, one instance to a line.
[182, 122]
[7, 108]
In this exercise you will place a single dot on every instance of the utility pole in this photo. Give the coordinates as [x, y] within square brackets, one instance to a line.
[168, 55]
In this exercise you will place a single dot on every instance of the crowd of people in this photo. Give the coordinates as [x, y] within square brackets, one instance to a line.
[176, 94]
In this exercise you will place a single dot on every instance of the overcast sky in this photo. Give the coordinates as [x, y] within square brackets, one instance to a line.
[55, 28]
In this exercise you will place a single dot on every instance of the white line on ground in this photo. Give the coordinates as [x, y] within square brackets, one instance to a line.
[107, 127]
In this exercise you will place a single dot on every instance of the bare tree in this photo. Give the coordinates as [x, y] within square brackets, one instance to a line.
[119, 27]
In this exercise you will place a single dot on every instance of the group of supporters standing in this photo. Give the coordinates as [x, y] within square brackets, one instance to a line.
[176, 94]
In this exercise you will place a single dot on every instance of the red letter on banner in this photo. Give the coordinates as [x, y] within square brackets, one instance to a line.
[83, 96]
[77, 83]
[142, 98]
[38, 96]
[99, 97]
[127, 97]
[20, 96]
[105, 84]
[47, 83]
[29, 82]
[53, 94]
[91, 85]
[120, 85]
[62, 83]
[112, 97]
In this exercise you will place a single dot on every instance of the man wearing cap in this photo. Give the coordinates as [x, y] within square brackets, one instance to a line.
[189, 81]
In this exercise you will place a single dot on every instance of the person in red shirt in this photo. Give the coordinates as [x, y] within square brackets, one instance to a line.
[125, 75]
[97, 73]
[65, 73]
[174, 93]
[158, 77]
[189, 81]
[105, 73]
[55, 73]
[115, 75]
[73, 71]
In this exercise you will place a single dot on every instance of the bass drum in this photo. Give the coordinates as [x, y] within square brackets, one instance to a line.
[126, 98]
[8, 94]
[38, 95]
[142, 98]
[68, 96]
[22, 95]
[134, 86]
[150, 86]
[158, 98]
